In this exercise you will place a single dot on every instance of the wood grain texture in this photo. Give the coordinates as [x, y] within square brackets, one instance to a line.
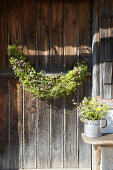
[15, 125]
[95, 50]
[106, 9]
[84, 149]
[20, 121]
[15, 36]
[57, 134]
[42, 62]
[29, 130]
[29, 47]
[70, 140]
[43, 35]
[105, 39]
[57, 36]
[106, 44]
[106, 72]
[103, 157]
[105, 139]
[4, 124]
[85, 32]
[71, 33]
[106, 158]
[3, 36]
[14, 22]
[96, 158]
[43, 135]
[29, 29]
[40, 134]
[111, 38]
[101, 80]
[106, 29]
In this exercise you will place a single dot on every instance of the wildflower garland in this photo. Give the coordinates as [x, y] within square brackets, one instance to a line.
[40, 85]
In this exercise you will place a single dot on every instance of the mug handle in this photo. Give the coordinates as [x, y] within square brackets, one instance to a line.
[105, 124]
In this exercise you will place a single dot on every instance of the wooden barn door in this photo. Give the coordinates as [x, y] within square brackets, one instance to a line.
[36, 134]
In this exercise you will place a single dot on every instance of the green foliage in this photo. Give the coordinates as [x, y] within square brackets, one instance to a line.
[92, 110]
[42, 86]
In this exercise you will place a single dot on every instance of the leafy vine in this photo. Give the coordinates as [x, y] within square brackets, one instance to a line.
[40, 85]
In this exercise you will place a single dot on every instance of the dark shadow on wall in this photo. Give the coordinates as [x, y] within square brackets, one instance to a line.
[55, 35]
[9, 124]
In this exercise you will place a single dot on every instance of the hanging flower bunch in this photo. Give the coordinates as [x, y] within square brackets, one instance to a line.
[40, 85]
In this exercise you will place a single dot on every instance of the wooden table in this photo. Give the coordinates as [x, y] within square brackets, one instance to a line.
[102, 156]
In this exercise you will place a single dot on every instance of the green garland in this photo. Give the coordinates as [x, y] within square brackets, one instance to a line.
[40, 85]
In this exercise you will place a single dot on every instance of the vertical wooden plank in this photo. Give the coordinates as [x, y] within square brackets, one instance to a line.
[3, 36]
[14, 22]
[85, 32]
[43, 34]
[101, 80]
[29, 130]
[106, 79]
[105, 17]
[106, 158]
[105, 39]
[96, 160]
[107, 71]
[15, 125]
[29, 43]
[20, 122]
[84, 159]
[71, 33]
[57, 134]
[29, 29]
[106, 35]
[42, 62]
[56, 50]
[110, 9]
[85, 90]
[106, 9]
[95, 51]
[70, 138]
[4, 124]
[111, 38]
[107, 91]
[15, 36]
[43, 135]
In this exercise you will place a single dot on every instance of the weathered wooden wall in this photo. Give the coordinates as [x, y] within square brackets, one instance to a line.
[102, 60]
[102, 49]
[33, 133]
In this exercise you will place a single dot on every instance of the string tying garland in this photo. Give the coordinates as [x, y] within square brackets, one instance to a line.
[40, 85]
